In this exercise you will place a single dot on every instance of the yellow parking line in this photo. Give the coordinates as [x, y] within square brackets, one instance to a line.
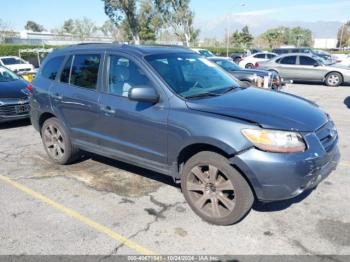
[74, 214]
[344, 164]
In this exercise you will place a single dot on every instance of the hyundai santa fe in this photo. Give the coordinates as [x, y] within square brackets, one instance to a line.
[172, 111]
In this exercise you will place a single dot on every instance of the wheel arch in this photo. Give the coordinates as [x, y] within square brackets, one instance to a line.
[43, 117]
[334, 71]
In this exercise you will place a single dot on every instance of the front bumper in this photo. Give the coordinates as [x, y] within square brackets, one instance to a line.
[277, 176]
[14, 109]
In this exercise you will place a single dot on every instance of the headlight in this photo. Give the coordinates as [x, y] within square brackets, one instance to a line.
[275, 141]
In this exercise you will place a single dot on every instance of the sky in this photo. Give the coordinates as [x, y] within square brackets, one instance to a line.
[52, 13]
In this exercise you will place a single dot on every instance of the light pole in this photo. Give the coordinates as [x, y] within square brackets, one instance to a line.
[227, 41]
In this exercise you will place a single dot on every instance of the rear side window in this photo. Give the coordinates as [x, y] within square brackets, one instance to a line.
[270, 56]
[289, 60]
[82, 71]
[305, 60]
[52, 67]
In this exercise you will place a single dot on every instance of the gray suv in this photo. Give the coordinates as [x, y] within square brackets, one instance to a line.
[172, 111]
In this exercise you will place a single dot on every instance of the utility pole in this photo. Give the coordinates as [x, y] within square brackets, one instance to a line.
[227, 41]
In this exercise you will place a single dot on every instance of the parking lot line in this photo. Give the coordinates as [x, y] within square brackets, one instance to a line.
[74, 214]
[345, 164]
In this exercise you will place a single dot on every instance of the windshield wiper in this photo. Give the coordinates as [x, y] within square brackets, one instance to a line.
[206, 94]
[229, 89]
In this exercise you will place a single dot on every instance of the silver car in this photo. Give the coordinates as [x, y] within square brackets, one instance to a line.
[307, 67]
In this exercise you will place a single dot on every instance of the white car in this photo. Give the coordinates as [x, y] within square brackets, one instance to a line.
[344, 61]
[250, 61]
[16, 64]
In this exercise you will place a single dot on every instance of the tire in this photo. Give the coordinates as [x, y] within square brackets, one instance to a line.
[249, 66]
[215, 190]
[334, 79]
[57, 143]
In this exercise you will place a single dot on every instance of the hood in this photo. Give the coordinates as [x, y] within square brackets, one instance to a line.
[13, 89]
[266, 108]
[18, 67]
[252, 71]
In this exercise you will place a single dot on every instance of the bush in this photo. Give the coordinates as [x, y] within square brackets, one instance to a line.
[222, 51]
[13, 50]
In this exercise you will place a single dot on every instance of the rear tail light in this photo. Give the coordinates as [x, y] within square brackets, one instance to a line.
[30, 87]
[338, 61]
[257, 65]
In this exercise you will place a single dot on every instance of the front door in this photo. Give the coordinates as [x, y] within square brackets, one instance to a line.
[130, 130]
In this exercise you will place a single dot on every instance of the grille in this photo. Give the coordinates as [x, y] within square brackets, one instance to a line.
[11, 110]
[328, 136]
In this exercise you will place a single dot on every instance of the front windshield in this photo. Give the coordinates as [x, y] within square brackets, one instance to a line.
[228, 65]
[206, 53]
[12, 61]
[191, 75]
[7, 75]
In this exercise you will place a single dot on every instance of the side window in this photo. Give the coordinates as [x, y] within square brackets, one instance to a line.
[66, 71]
[123, 75]
[288, 60]
[305, 60]
[260, 56]
[84, 71]
[51, 68]
[270, 56]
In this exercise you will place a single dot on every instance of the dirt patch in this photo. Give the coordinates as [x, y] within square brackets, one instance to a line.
[334, 231]
[94, 174]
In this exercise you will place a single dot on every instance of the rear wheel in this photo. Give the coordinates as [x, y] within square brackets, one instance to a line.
[215, 190]
[57, 143]
[334, 79]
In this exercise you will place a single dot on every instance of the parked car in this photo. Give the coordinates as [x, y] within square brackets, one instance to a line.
[16, 64]
[305, 50]
[305, 67]
[258, 78]
[238, 57]
[344, 61]
[172, 111]
[203, 52]
[14, 102]
[250, 61]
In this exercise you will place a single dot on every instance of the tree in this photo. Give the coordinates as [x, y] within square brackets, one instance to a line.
[108, 29]
[84, 28]
[243, 38]
[296, 36]
[124, 10]
[344, 35]
[68, 26]
[179, 17]
[6, 30]
[33, 26]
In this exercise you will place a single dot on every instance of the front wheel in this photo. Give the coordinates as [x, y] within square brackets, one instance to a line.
[215, 190]
[334, 79]
[249, 66]
[57, 142]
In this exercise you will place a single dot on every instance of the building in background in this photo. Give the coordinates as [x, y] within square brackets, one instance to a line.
[325, 43]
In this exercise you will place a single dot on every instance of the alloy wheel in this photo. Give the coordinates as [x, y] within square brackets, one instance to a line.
[210, 191]
[333, 80]
[54, 142]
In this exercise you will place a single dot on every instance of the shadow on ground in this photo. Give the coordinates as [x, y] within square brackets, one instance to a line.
[14, 124]
[347, 101]
[280, 205]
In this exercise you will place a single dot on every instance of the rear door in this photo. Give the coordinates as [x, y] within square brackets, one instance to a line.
[75, 96]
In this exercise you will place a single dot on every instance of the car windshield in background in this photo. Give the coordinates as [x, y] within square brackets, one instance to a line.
[12, 61]
[228, 65]
[7, 75]
[206, 53]
[190, 75]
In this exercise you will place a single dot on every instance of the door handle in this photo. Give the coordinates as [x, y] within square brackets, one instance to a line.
[108, 110]
[57, 96]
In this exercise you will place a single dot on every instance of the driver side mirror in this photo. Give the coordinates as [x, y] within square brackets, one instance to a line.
[316, 64]
[143, 94]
